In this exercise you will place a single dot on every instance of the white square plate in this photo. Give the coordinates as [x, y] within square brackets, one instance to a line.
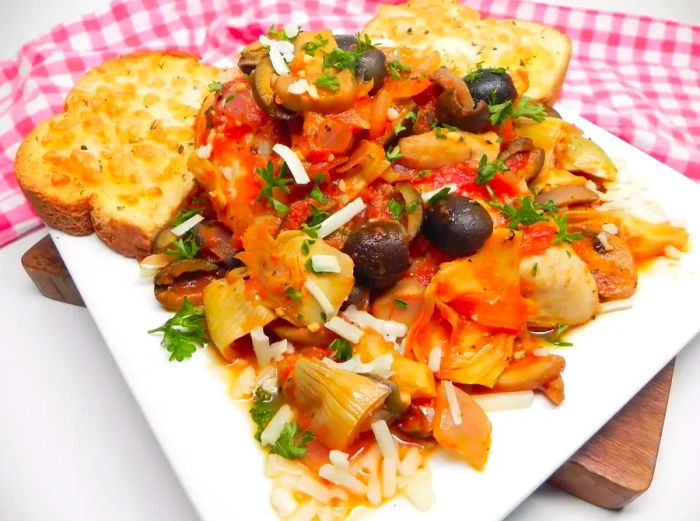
[208, 437]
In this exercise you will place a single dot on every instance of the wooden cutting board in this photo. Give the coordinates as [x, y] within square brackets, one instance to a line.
[612, 469]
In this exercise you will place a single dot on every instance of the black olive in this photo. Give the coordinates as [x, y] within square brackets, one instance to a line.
[379, 250]
[345, 41]
[372, 66]
[457, 225]
[491, 86]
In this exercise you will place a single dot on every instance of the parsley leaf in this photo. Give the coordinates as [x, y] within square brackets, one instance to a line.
[342, 350]
[526, 108]
[411, 116]
[394, 153]
[478, 73]
[328, 82]
[401, 304]
[488, 171]
[398, 128]
[305, 246]
[309, 265]
[340, 59]
[311, 231]
[215, 86]
[317, 194]
[525, 211]
[395, 208]
[562, 234]
[396, 67]
[292, 444]
[439, 133]
[554, 337]
[317, 216]
[440, 194]
[183, 248]
[364, 43]
[183, 216]
[271, 182]
[412, 207]
[262, 410]
[312, 46]
[292, 293]
[183, 333]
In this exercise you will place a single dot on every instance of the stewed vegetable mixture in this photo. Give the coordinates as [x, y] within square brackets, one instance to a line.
[383, 249]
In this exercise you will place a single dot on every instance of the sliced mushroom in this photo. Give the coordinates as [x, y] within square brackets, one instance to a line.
[215, 241]
[263, 93]
[456, 106]
[183, 278]
[535, 158]
[251, 56]
[569, 195]
[301, 335]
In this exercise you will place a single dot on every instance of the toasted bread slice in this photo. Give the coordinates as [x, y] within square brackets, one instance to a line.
[466, 42]
[116, 160]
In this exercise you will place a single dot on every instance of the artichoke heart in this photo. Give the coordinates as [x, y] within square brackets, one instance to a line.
[340, 403]
[583, 155]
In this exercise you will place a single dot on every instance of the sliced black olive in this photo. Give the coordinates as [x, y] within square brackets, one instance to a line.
[456, 106]
[263, 93]
[569, 195]
[372, 66]
[215, 241]
[457, 225]
[183, 278]
[491, 86]
[251, 56]
[345, 41]
[379, 250]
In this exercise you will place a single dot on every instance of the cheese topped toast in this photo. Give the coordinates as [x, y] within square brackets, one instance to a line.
[116, 160]
[466, 41]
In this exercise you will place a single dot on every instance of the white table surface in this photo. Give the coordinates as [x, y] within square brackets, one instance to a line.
[74, 446]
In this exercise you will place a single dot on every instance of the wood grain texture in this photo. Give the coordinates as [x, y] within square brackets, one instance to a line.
[617, 464]
[614, 467]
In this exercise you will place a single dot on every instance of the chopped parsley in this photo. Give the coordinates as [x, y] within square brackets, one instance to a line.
[342, 350]
[439, 133]
[305, 244]
[478, 73]
[525, 211]
[328, 82]
[317, 194]
[317, 216]
[184, 332]
[412, 207]
[488, 171]
[262, 410]
[562, 233]
[398, 128]
[267, 174]
[396, 67]
[215, 86]
[184, 215]
[534, 270]
[440, 194]
[526, 108]
[312, 46]
[401, 304]
[311, 231]
[395, 208]
[554, 337]
[292, 293]
[340, 59]
[183, 248]
[292, 443]
[309, 265]
[229, 99]
[411, 116]
[394, 153]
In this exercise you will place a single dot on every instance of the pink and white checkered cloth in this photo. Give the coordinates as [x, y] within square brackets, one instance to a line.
[635, 76]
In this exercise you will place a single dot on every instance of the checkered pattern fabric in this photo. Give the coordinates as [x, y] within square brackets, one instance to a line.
[635, 76]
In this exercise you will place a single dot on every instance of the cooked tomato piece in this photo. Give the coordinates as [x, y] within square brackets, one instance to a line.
[536, 238]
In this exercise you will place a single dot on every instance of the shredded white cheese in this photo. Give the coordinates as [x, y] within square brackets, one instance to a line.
[610, 228]
[541, 351]
[291, 30]
[272, 432]
[389, 329]
[340, 459]
[434, 359]
[342, 479]
[452, 402]
[419, 491]
[313, 91]
[410, 462]
[313, 488]
[380, 366]
[341, 217]
[615, 305]
[182, 228]
[385, 440]
[325, 264]
[344, 329]
[392, 113]
[428, 195]
[204, 151]
[283, 502]
[293, 162]
[264, 352]
[320, 296]
[298, 87]
[603, 238]
[389, 467]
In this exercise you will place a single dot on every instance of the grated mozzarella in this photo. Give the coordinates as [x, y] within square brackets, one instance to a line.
[434, 359]
[374, 491]
[452, 402]
[385, 440]
[298, 87]
[204, 151]
[389, 477]
[325, 264]
[380, 366]
[392, 113]
[428, 195]
[307, 512]
[341, 217]
[603, 238]
[313, 488]
[610, 228]
[419, 491]
[320, 296]
[183, 228]
[389, 329]
[615, 305]
[264, 352]
[291, 30]
[410, 462]
[342, 479]
[504, 401]
[340, 459]
[344, 329]
[283, 502]
[293, 162]
[271, 433]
